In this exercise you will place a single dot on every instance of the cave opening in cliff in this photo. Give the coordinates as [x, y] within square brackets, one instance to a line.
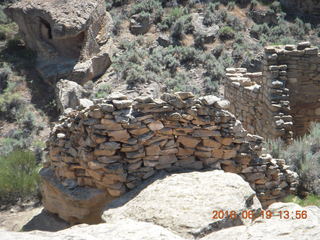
[45, 29]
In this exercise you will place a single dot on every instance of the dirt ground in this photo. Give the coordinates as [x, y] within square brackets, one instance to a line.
[31, 219]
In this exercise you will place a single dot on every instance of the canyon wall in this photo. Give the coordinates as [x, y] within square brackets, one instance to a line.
[68, 44]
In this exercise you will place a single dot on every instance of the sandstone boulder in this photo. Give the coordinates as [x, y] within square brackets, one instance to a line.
[184, 202]
[140, 24]
[122, 230]
[209, 33]
[71, 38]
[69, 95]
[71, 202]
[276, 228]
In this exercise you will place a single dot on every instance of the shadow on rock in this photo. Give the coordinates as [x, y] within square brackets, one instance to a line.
[45, 221]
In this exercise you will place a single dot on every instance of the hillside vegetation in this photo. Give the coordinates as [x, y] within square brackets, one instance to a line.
[161, 46]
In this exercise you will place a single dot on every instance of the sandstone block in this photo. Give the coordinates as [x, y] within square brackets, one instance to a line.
[155, 126]
[187, 141]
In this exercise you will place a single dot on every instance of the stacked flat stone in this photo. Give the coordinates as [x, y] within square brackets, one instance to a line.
[281, 101]
[296, 67]
[117, 143]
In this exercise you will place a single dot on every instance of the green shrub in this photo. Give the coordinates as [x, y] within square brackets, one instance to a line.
[210, 14]
[8, 31]
[299, 29]
[310, 200]
[117, 21]
[231, 6]
[275, 147]
[226, 33]
[234, 23]
[103, 90]
[170, 18]
[135, 75]
[303, 155]
[153, 7]
[3, 16]
[8, 145]
[181, 82]
[177, 30]
[19, 176]
[10, 103]
[276, 7]
[258, 30]
[199, 41]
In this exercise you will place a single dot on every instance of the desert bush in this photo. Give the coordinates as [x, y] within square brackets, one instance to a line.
[181, 82]
[276, 7]
[153, 7]
[226, 33]
[234, 23]
[217, 51]
[303, 155]
[115, 3]
[211, 14]
[299, 29]
[210, 85]
[170, 18]
[231, 5]
[135, 75]
[10, 103]
[8, 31]
[186, 55]
[171, 63]
[258, 30]
[117, 21]
[310, 200]
[103, 90]
[178, 30]
[8, 145]
[199, 41]
[18, 176]
[3, 16]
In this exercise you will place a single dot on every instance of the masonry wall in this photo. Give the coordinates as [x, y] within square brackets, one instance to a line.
[282, 100]
[303, 82]
[259, 101]
[118, 143]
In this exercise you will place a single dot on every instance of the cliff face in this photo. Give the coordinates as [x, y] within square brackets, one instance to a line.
[308, 8]
[67, 43]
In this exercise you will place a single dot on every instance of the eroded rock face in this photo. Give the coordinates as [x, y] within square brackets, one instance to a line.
[69, 94]
[308, 8]
[184, 202]
[72, 203]
[70, 37]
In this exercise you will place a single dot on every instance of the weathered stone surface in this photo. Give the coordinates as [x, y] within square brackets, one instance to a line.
[185, 207]
[276, 228]
[139, 24]
[209, 33]
[120, 230]
[71, 41]
[68, 94]
[72, 203]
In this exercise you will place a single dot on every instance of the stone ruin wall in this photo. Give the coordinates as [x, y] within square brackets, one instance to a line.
[117, 143]
[284, 99]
